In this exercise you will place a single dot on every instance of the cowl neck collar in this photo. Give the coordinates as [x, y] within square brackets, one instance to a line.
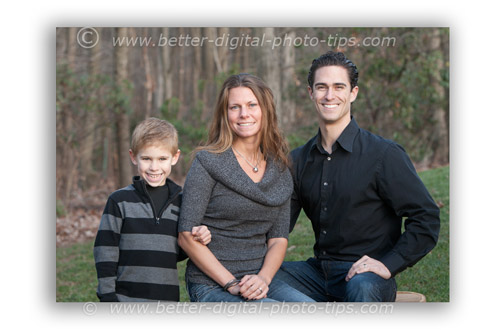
[274, 189]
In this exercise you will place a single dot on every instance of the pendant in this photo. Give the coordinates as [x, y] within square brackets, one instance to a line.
[256, 169]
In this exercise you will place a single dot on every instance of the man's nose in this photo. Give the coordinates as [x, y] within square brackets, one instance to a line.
[330, 94]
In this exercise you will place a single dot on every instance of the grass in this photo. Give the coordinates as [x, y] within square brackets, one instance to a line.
[76, 275]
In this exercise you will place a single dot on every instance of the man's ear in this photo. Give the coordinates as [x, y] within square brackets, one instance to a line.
[175, 157]
[132, 157]
[353, 93]
[310, 92]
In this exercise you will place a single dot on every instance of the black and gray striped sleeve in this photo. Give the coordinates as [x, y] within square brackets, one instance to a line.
[106, 251]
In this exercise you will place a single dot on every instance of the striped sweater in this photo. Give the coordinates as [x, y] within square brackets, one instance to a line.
[136, 250]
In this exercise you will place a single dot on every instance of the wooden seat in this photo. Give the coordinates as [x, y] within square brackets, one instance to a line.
[408, 296]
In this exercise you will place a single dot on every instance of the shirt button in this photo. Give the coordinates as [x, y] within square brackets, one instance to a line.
[328, 158]
[323, 252]
[324, 232]
[325, 208]
[325, 183]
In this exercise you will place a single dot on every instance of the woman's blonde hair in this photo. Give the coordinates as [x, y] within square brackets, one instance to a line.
[220, 135]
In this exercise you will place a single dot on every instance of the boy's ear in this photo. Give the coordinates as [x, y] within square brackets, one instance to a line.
[132, 157]
[175, 157]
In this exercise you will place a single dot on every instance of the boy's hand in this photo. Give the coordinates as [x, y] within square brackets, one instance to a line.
[201, 234]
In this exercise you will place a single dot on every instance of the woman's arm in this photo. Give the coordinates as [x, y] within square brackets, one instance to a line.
[256, 286]
[205, 260]
[198, 189]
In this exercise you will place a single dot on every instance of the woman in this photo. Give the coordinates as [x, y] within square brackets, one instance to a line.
[239, 186]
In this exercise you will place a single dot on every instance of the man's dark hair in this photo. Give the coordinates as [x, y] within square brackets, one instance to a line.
[338, 59]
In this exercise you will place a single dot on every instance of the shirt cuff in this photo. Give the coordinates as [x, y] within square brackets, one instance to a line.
[394, 262]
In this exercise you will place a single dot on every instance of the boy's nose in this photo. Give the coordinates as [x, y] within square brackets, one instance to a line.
[154, 165]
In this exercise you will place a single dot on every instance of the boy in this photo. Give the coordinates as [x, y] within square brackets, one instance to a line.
[136, 249]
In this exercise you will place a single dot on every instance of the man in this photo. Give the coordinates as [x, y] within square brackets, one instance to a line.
[355, 187]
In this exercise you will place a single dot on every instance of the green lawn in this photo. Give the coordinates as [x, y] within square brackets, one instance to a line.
[76, 275]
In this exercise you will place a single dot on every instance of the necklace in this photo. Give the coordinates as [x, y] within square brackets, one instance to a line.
[254, 168]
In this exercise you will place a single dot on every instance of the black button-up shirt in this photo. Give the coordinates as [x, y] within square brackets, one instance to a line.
[357, 196]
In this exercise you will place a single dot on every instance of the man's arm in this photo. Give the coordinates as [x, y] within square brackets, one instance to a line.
[295, 204]
[403, 190]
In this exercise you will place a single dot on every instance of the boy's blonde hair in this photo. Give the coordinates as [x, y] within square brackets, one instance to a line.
[153, 131]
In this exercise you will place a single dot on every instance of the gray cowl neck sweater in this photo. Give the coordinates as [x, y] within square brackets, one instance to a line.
[240, 214]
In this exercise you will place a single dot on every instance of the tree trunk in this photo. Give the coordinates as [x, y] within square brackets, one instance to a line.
[68, 154]
[439, 137]
[160, 86]
[149, 81]
[270, 72]
[167, 67]
[86, 161]
[288, 78]
[122, 117]
[209, 72]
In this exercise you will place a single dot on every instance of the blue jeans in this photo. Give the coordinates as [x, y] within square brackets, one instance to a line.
[324, 280]
[278, 291]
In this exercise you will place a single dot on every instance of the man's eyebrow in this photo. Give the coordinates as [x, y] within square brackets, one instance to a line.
[334, 84]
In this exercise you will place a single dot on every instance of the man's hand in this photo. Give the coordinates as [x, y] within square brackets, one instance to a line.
[201, 234]
[367, 264]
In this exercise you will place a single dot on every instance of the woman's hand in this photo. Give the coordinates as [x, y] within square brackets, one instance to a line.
[253, 287]
[234, 290]
[201, 234]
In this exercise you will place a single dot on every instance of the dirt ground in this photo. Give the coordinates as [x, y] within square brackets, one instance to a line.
[82, 216]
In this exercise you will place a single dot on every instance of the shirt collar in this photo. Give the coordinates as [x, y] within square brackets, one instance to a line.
[345, 140]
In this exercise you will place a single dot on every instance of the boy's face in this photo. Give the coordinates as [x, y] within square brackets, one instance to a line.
[154, 163]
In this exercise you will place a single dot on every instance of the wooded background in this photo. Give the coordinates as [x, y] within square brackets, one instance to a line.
[103, 91]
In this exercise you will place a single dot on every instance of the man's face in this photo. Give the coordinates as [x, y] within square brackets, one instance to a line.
[332, 94]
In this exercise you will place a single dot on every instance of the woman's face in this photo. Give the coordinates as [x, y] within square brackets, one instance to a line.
[244, 112]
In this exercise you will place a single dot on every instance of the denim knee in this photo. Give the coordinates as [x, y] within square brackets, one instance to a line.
[369, 287]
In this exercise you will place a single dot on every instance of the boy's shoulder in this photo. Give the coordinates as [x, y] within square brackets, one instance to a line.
[124, 194]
